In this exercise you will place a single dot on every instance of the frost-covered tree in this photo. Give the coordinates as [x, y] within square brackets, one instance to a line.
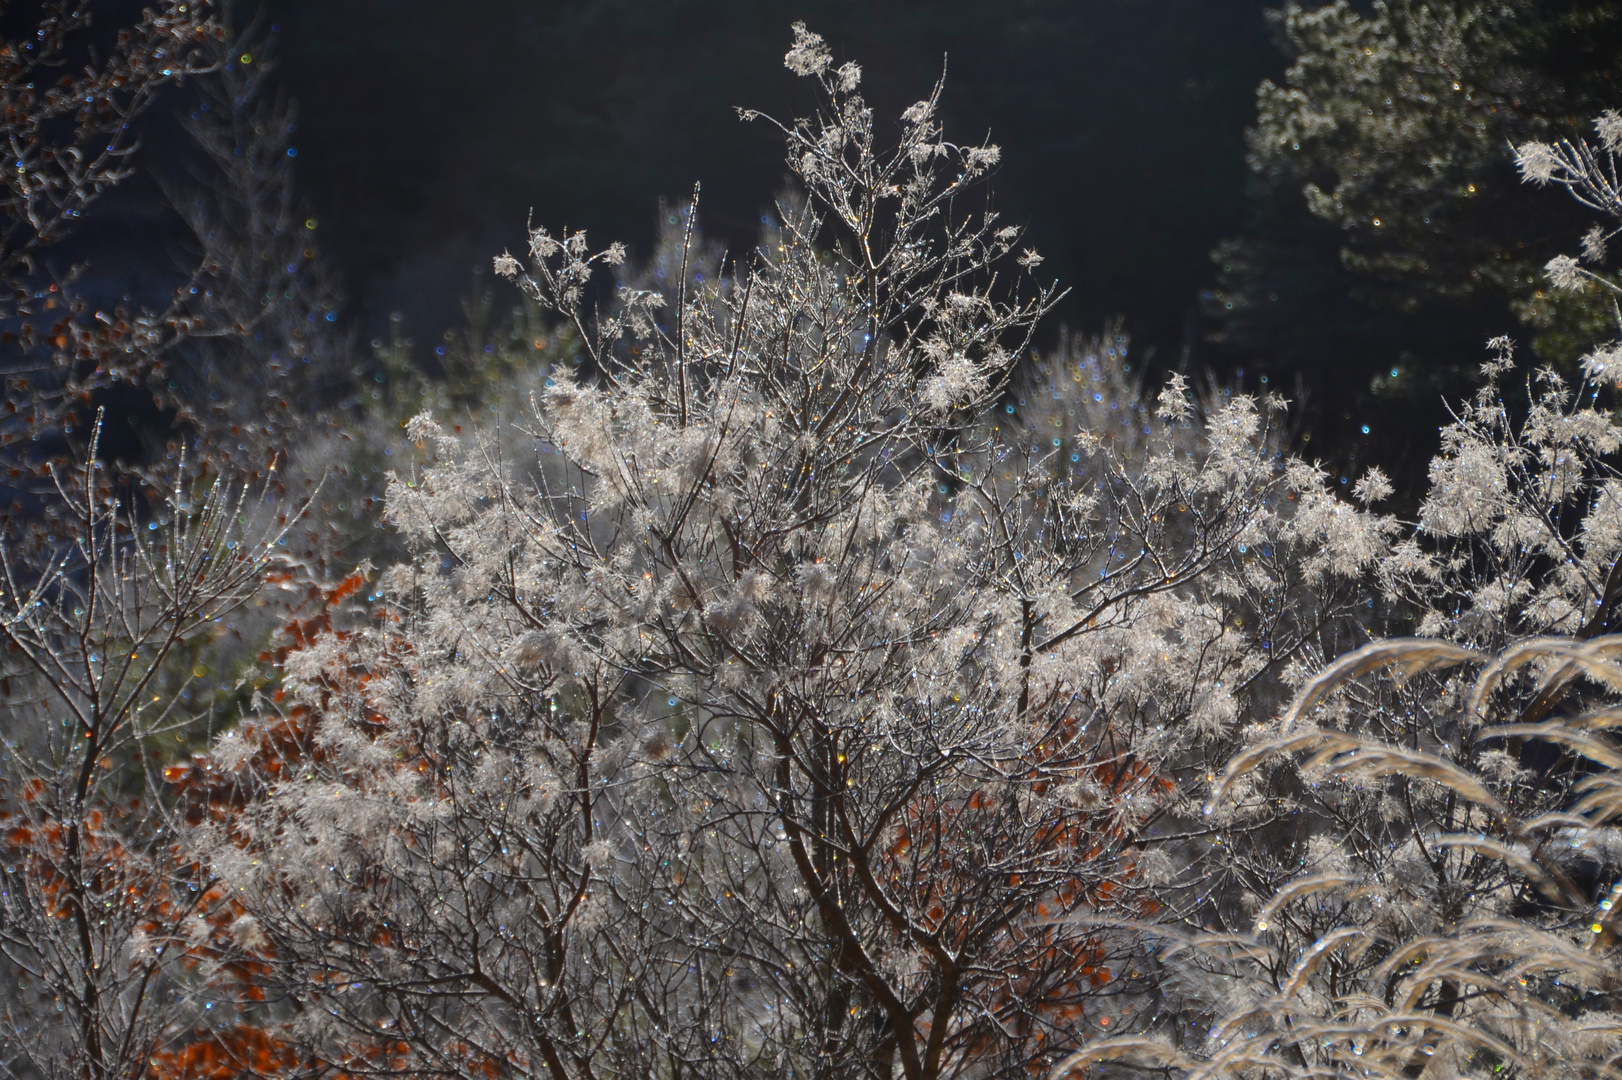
[106, 921]
[772, 700]
[1436, 895]
[129, 595]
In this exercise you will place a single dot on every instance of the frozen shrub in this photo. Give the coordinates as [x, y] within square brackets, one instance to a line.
[1420, 865]
[771, 700]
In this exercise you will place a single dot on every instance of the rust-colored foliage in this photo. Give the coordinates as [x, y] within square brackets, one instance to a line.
[240, 1050]
[1046, 969]
[211, 792]
[115, 867]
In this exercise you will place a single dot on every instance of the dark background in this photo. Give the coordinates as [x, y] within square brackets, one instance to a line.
[429, 131]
